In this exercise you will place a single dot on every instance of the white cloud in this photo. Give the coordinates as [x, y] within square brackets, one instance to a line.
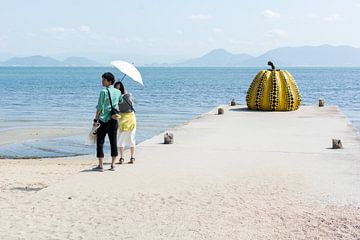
[275, 33]
[217, 30]
[59, 30]
[313, 16]
[200, 17]
[233, 41]
[332, 18]
[179, 32]
[31, 34]
[138, 39]
[237, 41]
[84, 28]
[270, 14]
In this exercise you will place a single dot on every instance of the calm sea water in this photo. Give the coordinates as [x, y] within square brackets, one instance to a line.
[66, 97]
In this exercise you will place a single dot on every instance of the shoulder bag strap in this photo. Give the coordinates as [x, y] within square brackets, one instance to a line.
[112, 108]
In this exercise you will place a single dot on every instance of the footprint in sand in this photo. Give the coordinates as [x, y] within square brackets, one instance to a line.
[34, 187]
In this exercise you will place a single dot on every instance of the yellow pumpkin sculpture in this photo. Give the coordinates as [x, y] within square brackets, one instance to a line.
[273, 90]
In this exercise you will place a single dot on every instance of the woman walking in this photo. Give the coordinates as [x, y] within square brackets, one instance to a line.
[127, 124]
[109, 99]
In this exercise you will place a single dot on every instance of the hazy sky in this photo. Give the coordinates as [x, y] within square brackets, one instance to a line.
[165, 30]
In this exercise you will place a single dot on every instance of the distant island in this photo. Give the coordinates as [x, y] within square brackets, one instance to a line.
[304, 56]
[44, 61]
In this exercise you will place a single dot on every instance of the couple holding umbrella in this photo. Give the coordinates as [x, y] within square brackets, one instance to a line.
[115, 112]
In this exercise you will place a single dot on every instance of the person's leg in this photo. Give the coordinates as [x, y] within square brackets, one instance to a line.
[113, 159]
[121, 152]
[112, 133]
[121, 143]
[132, 151]
[132, 145]
[100, 139]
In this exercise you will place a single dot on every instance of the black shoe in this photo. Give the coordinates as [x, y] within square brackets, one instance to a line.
[132, 160]
[98, 169]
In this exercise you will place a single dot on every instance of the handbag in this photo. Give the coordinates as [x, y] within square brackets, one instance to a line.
[91, 137]
[113, 111]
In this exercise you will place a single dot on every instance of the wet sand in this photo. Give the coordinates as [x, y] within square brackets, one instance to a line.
[17, 135]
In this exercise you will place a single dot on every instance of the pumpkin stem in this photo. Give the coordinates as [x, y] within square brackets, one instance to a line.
[271, 64]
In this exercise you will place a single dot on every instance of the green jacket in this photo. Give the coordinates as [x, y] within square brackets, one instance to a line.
[104, 103]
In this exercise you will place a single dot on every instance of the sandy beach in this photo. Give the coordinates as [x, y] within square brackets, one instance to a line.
[241, 175]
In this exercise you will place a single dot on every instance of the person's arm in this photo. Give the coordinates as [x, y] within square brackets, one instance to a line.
[97, 114]
[100, 106]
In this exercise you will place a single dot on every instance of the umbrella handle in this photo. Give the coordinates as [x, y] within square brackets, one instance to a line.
[123, 78]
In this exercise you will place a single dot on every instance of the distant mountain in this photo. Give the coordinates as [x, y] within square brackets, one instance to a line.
[318, 56]
[32, 61]
[216, 58]
[4, 56]
[80, 61]
[43, 61]
[262, 60]
[309, 56]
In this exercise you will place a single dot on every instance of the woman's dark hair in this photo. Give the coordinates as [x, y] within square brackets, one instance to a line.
[122, 88]
[109, 76]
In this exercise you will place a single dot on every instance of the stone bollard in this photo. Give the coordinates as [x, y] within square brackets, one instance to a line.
[321, 102]
[220, 111]
[336, 144]
[168, 138]
[233, 103]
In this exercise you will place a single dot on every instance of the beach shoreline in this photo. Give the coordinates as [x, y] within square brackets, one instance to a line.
[241, 175]
[18, 135]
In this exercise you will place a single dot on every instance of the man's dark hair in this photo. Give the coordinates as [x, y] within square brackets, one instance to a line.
[109, 76]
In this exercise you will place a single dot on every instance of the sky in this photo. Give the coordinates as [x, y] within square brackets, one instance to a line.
[163, 30]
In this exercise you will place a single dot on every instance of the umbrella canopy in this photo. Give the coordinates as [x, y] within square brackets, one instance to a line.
[129, 70]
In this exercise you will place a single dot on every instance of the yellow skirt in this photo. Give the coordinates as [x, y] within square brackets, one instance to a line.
[127, 122]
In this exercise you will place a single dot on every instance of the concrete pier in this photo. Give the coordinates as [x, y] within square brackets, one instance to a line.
[240, 175]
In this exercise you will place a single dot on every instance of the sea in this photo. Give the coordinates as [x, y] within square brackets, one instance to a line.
[57, 97]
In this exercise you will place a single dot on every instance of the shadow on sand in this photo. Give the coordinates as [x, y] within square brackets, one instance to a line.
[242, 109]
[105, 169]
[28, 189]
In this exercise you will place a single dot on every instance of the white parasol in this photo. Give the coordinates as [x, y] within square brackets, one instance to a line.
[129, 70]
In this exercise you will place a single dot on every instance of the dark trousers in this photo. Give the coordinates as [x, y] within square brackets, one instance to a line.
[110, 128]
